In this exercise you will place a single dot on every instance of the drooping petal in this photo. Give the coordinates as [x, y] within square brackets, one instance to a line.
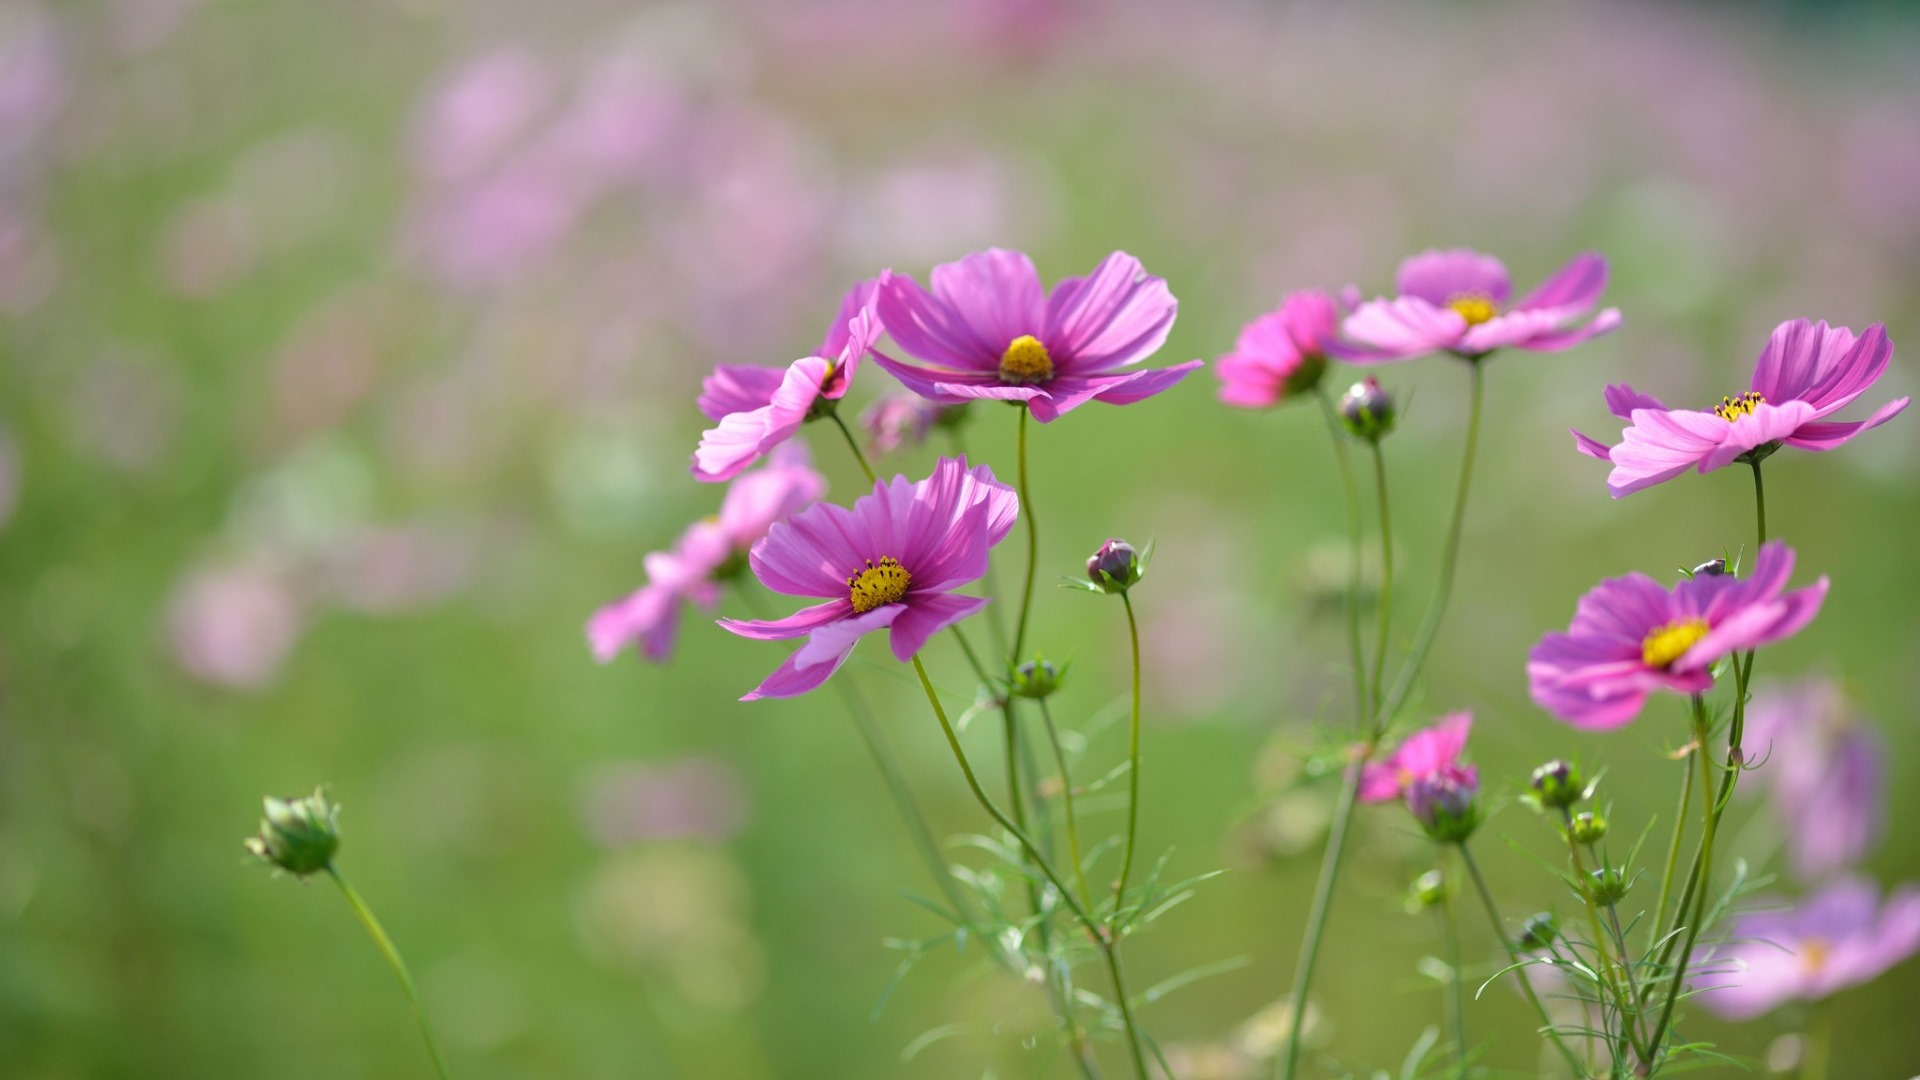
[927, 615]
[799, 624]
[826, 649]
[1115, 316]
[1438, 276]
[1829, 434]
[1658, 446]
[1069, 392]
[1591, 447]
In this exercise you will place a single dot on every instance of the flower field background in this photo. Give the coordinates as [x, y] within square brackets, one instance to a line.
[348, 357]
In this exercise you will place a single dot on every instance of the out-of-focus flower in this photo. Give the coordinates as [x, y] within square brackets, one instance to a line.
[758, 408]
[1630, 637]
[890, 561]
[1456, 301]
[1281, 354]
[1841, 936]
[1822, 772]
[1807, 371]
[709, 552]
[991, 331]
[233, 624]
[1425, 752]
[691, 798]
[902, 420]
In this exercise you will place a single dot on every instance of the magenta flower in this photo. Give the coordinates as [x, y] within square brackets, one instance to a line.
[1426, 752]
[1630, 636]
[1822, 773]
[1456, 301]
[893, 560]
[1841, 936]
[1807, 372]
[758, 408]
[709, 552]
[1281, 354]
[990, 331]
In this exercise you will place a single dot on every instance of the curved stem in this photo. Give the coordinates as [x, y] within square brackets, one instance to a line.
[1513, 955]
[853, 444]
[1338, 436]
[387, 949]
[1317, 915]
[1066, 796]
[1385, 614]
[1133, 761]
[1094, 928]
[1449, 560]
[1703, 881]
[1033, 544]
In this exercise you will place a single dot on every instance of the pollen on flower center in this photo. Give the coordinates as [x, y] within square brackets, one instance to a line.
[1670, 642]
[1026, 361]
[1733, 408]
[1473, 307]
[883, 582]
[1813, 955]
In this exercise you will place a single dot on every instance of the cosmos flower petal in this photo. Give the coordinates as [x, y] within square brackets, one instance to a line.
[742, 437]
[1591, 447]
[799, 624]
[1401, 329]
[1069, 392]
[927, 616]
[1623, 399]
[1831, 434]
[810, 553]
[927, 327]
[1766, 423]
[1115, 316]
[1438, 275]
[1575, 286]
[733, 388]
[1607, 321]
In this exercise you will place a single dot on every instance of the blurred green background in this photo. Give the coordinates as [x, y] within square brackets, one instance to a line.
[347, 356]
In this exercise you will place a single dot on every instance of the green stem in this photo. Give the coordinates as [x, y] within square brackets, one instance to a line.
[385, 944]
[1760, 501]
[1317, 915]
[1610, 963]
[853, 444]
[1456, 997]
[1816, 1042]
[1704, 879]
[1033, 544]
[1094, 928]
[1338, 435]
[996, 625]
[1386, 571]
[1066, 796]
[1449, 560]
[1133, 761]
[1513, 956]
[1673, 857]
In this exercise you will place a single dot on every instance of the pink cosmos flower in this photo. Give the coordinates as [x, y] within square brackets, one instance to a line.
[709, 552]
[1807, 372]
[758, 408]
[893, 560]
[1841, 936]
[1281, 354]
[989, 330]
[1426, 752]
[1630, 636]
[1822, 772]
[1456, 300]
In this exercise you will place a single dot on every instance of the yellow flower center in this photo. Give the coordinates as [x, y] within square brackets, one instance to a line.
[1670, 642]
[1813, 955]
[1474, 308]
[884, 582]
[1026, 361]
[1733, 408]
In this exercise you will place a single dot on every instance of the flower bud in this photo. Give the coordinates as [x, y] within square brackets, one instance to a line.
[1036, 679]
[1540, 931]
[1116, 567]
[1446, 804]
[1710, 568]
[300, 835]
[1429, 889]
[1558, 785]
[1367, 410]
[1588, 828]
[1609, 885]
